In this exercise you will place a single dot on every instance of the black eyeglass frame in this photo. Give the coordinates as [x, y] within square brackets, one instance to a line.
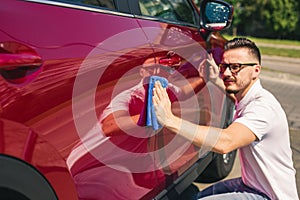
[239, 67]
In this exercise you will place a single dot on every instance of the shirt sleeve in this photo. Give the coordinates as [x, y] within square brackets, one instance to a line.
[120, 102]
[258, 118]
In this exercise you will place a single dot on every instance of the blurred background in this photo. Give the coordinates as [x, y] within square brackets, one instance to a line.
[274, 25]
[273, 19]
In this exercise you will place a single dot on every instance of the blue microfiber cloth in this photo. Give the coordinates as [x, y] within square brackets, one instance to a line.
[148, 116]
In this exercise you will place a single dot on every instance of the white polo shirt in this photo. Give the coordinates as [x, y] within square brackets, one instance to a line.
[267, 163]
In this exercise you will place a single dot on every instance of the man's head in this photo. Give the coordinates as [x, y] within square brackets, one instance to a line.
[237, 43]
[151, 68]
[240, 66]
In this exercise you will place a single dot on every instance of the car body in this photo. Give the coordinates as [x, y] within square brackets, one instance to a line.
[70, 94]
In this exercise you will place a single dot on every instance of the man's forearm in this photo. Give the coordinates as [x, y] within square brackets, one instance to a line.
[201, 136]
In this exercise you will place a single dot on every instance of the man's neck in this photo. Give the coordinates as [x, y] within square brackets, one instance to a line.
[240, 95]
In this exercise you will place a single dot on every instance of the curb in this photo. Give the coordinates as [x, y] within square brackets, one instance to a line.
[281, 59]
[279, 46]
[280, 76]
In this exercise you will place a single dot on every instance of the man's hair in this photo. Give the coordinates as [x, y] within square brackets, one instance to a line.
[244, 43]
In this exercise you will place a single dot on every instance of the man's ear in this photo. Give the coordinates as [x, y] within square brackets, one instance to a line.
[257, 69]
[142, 72]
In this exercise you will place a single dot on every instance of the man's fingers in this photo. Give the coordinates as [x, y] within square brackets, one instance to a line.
[155, 99]
[211, 61]
[159, 90]
[201, 68]
[213, 69]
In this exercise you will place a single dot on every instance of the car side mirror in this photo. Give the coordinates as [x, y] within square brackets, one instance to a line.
[216, 15]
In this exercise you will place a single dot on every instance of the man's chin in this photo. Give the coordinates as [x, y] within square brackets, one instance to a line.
[232, 91]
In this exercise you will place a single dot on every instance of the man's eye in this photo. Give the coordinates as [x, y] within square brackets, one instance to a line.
[234, 67]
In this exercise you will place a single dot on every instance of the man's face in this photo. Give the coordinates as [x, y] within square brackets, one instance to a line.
[150, 68]
[240, 82]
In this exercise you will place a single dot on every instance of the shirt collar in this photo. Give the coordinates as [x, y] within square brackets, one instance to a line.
[250, 95]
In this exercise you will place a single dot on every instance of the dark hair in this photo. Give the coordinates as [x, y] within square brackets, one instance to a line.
[244, 43]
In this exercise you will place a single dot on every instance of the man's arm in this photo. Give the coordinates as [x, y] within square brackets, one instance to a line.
[124, 122]
[219, 140]
[194, 86]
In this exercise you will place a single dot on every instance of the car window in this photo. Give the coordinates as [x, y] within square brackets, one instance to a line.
[178, 11]
[94, 3]
[197, 2]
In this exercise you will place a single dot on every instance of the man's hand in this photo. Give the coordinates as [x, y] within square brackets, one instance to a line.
[209, 70]
[213, 69]
[214, 76]
[162, 104]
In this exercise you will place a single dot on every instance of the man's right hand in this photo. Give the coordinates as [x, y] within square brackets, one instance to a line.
[213, 70]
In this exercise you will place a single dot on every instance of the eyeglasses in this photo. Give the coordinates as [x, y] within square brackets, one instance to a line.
[234, 67]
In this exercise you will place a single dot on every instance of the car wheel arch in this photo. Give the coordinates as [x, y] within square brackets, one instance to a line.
[16, 174]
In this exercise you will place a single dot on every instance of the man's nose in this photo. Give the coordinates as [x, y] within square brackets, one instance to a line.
[227, 72]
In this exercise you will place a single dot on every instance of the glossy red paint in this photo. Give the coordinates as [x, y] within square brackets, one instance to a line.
[62, 38]
[61, 68]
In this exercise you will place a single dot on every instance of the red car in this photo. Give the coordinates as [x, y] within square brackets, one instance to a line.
[74, 92]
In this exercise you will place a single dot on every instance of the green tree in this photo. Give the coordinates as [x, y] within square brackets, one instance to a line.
[265, 18]
[281, 16]
[246, 14]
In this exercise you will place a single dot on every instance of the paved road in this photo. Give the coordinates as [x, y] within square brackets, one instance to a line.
[282, 78]
[284, 83]
[291, 66]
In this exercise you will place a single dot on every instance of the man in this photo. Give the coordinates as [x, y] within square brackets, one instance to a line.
[259, 130]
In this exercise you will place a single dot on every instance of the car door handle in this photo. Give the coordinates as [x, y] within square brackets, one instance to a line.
[171, 60]
[12, 61]
[19, 63]
[20, 68]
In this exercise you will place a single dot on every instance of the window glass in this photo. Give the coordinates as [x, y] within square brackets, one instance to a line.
[94, 3]
[197, 2]
[174, 10]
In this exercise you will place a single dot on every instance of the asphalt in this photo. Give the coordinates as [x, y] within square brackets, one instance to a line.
[289, 67]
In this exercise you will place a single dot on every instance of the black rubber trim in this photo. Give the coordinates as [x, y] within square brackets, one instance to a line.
[122, 6]
[19, 176]
[185, 180]
[134, 7]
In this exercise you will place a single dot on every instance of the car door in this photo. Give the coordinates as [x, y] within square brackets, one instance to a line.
[64, 63]
[172, 27]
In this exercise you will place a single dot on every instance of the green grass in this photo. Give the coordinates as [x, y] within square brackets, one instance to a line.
[268, 41]
[293, 53]
[275, 41]
[276, 51]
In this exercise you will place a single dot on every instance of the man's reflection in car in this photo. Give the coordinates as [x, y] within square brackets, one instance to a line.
[124, 167]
